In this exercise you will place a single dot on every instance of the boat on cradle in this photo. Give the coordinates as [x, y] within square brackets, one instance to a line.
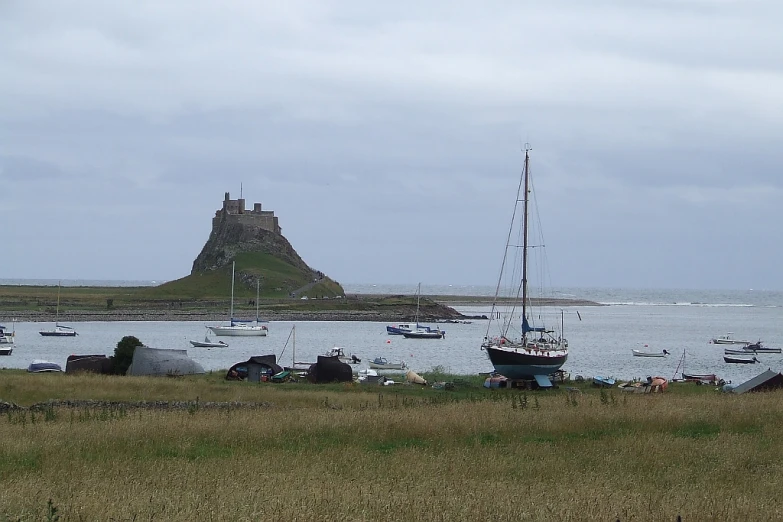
[535, 352]
[639, 353]
[59, 330]
[380, 363]
[758, 348]
[40, 366]
[238, 328]
[700, 377]
[740, 360]
[728, 339]
[209, 343]
[603, 382]
[342, 356]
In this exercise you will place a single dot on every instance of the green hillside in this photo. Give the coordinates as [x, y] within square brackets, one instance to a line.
[278, 280]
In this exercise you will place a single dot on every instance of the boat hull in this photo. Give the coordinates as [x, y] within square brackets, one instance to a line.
[521, 365]
[433, 334]
[739, 360]
[637, 353]
[199, 344]
[390, 366]
[6, 351]
[243, 331]
[54, 333]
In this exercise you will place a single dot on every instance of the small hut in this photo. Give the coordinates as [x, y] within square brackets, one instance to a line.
[766, 381]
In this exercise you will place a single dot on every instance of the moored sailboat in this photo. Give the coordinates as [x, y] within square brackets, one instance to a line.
[239, 328]
[537, 351]
[59, 329]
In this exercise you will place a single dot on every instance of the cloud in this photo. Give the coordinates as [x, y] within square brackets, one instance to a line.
[358, 123]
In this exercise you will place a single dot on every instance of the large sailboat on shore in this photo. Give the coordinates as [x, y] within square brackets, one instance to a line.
[533, 351]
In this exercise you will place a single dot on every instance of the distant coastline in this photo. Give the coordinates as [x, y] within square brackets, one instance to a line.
[389, 315]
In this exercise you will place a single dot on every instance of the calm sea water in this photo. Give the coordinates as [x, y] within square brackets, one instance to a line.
[600, 337]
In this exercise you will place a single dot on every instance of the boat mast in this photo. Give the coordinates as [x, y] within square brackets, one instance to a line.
[524, 244]
[418, 298]
[57, 310]
[231, 313]
[258, 287]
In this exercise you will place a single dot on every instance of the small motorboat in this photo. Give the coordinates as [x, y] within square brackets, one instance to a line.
[342, 356]
[727, 339]
[380, 363]
[758, 348]
[209, 343]
[740, 360]
[640, 353]
[6, 350]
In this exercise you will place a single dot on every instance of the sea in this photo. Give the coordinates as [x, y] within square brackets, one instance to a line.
[601, 338]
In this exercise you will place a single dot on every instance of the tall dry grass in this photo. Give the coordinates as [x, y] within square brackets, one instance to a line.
[347, 454]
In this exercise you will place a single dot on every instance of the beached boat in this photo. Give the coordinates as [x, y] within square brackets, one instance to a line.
[728, 339]
[603, 382]
[238, 328]
[380, 363]
[534, 351]
[40, 366]
[739, 360]
[639, 353]
[59, 330]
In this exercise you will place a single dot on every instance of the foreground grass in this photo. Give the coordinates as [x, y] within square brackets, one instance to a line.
[365, 453]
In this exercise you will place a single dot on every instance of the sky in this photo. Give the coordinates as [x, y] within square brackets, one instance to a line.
[388, 138]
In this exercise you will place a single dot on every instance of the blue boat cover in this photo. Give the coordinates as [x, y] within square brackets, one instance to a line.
[527, 328]
[543, 381]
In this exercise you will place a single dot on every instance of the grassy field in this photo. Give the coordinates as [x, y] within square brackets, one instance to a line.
[357, 452]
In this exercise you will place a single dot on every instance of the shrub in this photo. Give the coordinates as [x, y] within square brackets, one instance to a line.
[123, 354]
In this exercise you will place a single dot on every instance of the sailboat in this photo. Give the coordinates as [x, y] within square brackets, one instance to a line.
[239, 328]
[535, 352]
[295, 366]
[59, 330]
[403, 328]
[420, 331]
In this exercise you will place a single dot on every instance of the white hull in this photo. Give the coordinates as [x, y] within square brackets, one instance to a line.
[239, 331]
[639, 353]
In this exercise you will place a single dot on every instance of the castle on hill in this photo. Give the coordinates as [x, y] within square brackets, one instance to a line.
[234, 211]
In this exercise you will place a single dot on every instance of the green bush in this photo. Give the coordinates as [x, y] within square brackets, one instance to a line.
[123, 354]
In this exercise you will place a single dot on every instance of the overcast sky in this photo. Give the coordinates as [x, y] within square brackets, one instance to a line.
[387, 136]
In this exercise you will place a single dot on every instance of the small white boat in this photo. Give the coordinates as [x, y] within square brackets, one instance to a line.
[640, 353]
[342, 356]
[209, 343]
[421, 333]
[728, 339]
[6, 350]
[380, 363]
[6, 339]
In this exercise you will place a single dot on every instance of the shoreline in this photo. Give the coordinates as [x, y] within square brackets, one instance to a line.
[168, 314]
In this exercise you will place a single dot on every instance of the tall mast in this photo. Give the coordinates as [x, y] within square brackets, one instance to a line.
[524, 243]
[231, 316]
[258, 287]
